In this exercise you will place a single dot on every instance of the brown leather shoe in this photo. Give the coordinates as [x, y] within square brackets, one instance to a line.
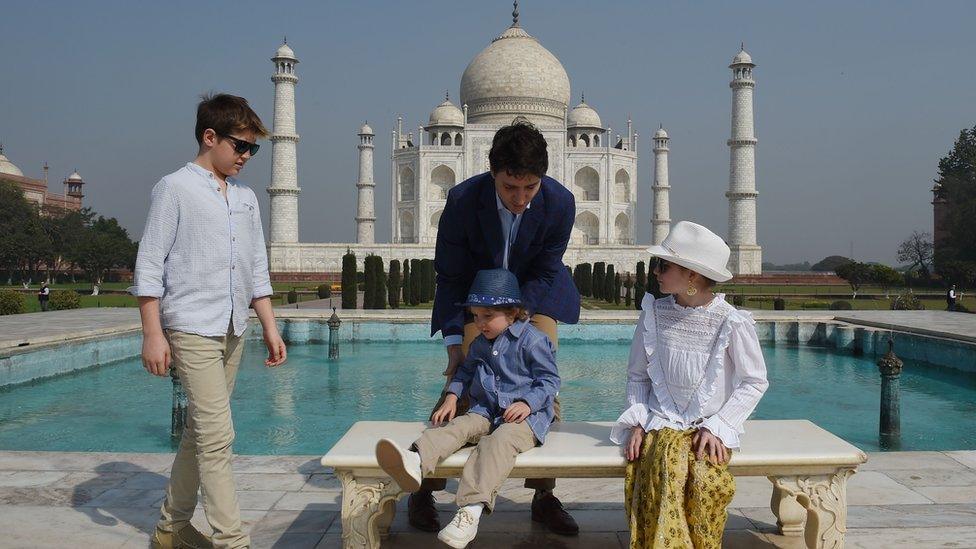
[187, 538]
[191, 538]
[421, 513]
[548, 510]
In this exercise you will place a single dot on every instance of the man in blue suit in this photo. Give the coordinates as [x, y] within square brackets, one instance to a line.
[513, 217]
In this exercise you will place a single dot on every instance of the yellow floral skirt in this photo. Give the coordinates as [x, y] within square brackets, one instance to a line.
[672, 499]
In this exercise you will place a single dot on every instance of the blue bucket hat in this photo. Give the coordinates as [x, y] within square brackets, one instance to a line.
[493, 288]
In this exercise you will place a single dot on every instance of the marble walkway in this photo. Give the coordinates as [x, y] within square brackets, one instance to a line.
[65, 499]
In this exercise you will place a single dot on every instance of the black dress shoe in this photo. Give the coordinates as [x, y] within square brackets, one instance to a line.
[548, 510]
[421, 512]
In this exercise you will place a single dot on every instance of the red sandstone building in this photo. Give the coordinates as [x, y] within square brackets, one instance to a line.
[35, 190]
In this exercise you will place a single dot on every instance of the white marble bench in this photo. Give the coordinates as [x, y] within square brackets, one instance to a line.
[807, 465]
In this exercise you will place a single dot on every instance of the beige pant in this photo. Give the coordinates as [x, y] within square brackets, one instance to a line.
[490, 462]
[207, 367]
[548, 326]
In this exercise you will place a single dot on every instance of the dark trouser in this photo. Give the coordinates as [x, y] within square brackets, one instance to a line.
[548, 326]
[44, 305]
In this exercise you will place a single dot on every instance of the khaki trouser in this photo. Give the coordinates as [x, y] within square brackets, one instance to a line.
[490, 461]
[207, 367]
[548, 326]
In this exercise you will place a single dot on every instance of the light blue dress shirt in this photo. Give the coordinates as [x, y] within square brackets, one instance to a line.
[510, 226]
[519, 365]
[202, 255]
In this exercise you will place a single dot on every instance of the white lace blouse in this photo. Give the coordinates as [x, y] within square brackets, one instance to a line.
[692, 366]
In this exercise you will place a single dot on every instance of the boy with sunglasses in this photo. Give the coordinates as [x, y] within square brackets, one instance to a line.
[201, 263]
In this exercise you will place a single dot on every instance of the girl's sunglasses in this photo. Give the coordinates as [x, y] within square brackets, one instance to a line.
[659, 264]
[241, 146]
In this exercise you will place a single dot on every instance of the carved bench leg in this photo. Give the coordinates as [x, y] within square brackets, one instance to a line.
[790, 515]
[825, 500]
[367, 507]
[387, 514]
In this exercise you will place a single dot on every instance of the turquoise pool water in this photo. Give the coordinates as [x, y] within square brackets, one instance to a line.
[306, 405]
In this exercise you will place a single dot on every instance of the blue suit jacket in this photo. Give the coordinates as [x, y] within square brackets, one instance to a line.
[469, 238]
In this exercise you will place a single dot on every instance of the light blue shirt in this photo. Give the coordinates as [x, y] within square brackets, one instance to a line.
[510, 226]
[203, 256]
[520, 365]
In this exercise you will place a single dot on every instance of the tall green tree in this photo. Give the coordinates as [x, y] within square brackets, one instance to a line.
[416, 281]
[956, 185]
[640, 284]
[856, 274]
[105, 245]
[349, 286]
[393, 284]
[599, 278]
[427, 280]
[407, 284]
[608, 284]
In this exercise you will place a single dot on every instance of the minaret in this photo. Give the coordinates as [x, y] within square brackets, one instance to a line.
[661, 220]
[284, 187]
[746, 258]
[365, 214]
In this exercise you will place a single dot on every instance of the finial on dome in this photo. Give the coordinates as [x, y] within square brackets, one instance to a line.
[447, 95]
[662, 125]
[1, 147]
[515, 14]
[286, 39]
[742, 46]
[582, 97]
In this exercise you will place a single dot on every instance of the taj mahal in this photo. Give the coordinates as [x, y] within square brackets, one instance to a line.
[514, 76]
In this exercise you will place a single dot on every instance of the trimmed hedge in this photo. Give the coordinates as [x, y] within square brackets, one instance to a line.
[62, 300]
[12, 303]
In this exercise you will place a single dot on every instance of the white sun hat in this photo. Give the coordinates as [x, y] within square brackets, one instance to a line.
[697, 248]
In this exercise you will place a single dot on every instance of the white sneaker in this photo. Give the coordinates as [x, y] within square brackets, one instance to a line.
[462, 529]
[403, 466]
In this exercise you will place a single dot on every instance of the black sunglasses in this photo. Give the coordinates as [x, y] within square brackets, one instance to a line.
[241, 146]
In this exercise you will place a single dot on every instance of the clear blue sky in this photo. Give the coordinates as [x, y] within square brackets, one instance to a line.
[855, 102]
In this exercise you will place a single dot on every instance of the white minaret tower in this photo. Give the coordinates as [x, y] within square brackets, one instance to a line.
[661, 220]
[365, 214]
[746, 258]
[284, 187]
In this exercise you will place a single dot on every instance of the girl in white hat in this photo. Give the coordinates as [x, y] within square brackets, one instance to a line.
[695, 373]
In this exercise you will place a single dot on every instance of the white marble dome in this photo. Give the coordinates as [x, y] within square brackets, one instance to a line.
[742, 58]
[75, 176]
[446, 114]
[583, 116]
[285, 51]
[514, 76]
[366, 130]
[8, 167]
[660, 133]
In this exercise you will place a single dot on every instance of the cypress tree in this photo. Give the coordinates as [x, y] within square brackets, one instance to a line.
[393, 284]
[349, 289]
[608, 281]
[599, 278]
[379, 275]
[616, 289]
[629, 286]
[586, 279]
[407, 284]
[640, 285]
[416, 279]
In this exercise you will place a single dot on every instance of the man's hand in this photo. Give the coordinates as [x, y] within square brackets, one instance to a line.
[516, 413]
[454, 359]
[156, 356]
[277, 353]
[633, 448]
[447, 410]
[707, 445]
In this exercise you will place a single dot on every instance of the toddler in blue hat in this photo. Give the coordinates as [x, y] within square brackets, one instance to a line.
[511, 380]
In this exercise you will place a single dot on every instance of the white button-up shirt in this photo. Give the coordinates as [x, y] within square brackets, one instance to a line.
[202, 255]
[510, 226]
